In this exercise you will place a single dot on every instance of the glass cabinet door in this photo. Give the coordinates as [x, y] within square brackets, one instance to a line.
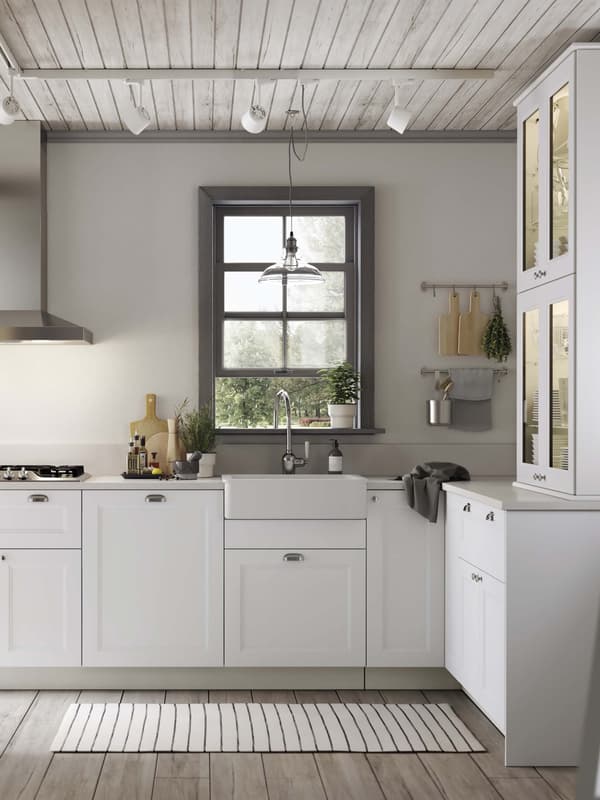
[531, 386]
[531, 190]
[559, 385]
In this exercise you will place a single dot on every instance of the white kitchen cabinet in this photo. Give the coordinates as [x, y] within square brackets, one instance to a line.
[33, 517]
[298, 608]
[40, 608]
[405, 584]
[558, 326]
[153, 578]
[483, 605]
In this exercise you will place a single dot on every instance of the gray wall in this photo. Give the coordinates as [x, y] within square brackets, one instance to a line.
[122, 244]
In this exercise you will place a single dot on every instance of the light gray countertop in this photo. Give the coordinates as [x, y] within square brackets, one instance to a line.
[500, 493]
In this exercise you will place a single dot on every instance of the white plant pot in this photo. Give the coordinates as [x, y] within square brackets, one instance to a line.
[341, 415]
[206, 465]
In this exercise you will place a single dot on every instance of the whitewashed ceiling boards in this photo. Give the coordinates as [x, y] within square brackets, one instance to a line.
[514, 37]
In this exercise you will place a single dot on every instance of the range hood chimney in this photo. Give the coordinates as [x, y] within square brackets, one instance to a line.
[23, 288]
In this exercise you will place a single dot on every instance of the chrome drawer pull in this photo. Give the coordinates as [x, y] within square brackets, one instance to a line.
[293, 557]
[156, 498]
[37, 498]
[467, 507]
[490, 516]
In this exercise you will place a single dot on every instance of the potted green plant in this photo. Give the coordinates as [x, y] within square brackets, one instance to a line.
[343, 385]
[196, 430]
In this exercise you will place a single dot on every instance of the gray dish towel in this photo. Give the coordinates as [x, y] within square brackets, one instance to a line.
[423, 485]
[472, 398]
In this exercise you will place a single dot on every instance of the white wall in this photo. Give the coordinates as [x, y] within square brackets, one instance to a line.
[122, 239]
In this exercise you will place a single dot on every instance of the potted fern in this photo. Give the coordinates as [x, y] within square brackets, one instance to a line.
[343, 385]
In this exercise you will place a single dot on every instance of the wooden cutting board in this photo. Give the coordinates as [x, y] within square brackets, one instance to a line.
[448, 327]
[471, 326]
[155, 430]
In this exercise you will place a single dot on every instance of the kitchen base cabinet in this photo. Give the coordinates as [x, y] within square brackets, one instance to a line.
[522, 646]
[301, 608]
[40, 608]
[153, 578]
[405, 584]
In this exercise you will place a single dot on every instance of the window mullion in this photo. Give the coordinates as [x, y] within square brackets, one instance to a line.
[284, 317]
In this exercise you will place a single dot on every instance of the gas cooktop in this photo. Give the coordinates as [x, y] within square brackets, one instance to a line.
[42, 472]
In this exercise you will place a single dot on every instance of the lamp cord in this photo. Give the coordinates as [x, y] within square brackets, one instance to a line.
[292, 149]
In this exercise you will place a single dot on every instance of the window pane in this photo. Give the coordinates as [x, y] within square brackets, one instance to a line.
[252, 344]
[320, 239]
[316, 343]
[248, 240]
[559, 144]
[248, 402]
[328, 296]
[243, 292]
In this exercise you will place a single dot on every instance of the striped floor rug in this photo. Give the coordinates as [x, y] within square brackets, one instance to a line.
[263, 728]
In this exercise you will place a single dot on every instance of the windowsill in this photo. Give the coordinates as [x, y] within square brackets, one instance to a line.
[306, 433]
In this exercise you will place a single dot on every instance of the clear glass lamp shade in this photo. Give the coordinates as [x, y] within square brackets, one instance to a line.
[290, 268]
[254, 120]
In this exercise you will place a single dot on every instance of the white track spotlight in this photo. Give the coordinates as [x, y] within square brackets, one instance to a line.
[136, 117]
[400, 116]
[255, 119]
[9, 107]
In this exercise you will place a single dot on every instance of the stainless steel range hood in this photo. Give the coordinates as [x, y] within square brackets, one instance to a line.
[23, 288]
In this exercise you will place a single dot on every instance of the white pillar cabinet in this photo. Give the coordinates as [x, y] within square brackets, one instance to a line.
[558, 277]
[153, 578]
[405, 584]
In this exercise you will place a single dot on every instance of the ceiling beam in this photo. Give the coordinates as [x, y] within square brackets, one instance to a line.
[300, 75]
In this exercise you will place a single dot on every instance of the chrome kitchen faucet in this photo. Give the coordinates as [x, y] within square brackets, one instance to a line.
[289, 461]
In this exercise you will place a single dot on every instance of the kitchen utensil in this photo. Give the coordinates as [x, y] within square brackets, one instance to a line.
[471, 326]
[448, 327]
[154, 429]
[445, 387]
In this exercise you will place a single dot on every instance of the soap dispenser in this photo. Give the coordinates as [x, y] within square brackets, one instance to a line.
[335, 462]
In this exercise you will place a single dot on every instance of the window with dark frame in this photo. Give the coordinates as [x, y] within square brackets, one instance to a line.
[267, 336]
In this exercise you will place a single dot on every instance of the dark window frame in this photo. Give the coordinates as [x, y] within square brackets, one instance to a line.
[213, 201]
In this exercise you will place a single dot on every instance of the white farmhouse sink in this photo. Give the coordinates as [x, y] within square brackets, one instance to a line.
[295, 496]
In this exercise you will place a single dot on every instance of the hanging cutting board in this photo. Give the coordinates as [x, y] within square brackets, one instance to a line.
[154, 429]
[448, 327]
[471, 326]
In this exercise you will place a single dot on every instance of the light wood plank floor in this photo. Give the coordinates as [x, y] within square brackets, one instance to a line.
[28, 771]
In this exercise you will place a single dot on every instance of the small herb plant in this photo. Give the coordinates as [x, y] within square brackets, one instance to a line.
[343, 383]
[496, 341]
[196, 427]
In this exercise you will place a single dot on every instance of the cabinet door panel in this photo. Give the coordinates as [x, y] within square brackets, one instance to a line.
[405, 585]
[40, 608]
[454, 591]
[472, 624]
[493, 673]
[295, 609]
[153, 579]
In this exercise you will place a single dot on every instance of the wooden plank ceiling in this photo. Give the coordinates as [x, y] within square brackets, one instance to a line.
[517, 37]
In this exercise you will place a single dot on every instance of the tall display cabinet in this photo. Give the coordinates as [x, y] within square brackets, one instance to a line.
[558, 280]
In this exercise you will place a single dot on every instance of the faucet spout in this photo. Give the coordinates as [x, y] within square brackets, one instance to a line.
[289, 462]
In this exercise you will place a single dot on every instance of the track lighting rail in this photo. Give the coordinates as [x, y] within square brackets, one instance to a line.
[301, 75]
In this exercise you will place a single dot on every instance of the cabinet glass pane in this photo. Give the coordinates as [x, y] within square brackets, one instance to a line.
[531, 191]
[559, 381]
[559, 174]
[531, 386]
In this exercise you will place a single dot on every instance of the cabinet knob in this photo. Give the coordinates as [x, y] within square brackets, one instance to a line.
[156, 498]
[3, 558]
[38, 498]
[467, 507]
[490, 516]
[374, 499]
[293, 557]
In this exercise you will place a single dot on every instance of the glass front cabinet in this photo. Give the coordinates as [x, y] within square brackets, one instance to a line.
[546, 181]
[558, 277]
[545, 385]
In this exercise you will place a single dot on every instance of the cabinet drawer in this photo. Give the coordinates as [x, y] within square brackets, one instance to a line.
[483, 538]
[257, 534]
[304, 608]
[40, 519]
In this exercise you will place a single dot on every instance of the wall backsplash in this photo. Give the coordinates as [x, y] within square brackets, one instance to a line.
[122, 244]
